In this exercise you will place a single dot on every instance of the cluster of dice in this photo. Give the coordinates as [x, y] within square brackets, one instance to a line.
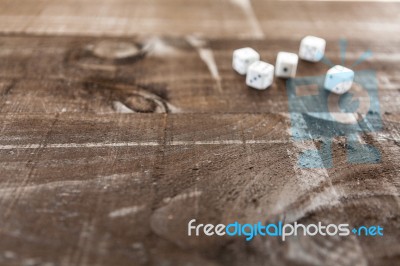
[260, 75]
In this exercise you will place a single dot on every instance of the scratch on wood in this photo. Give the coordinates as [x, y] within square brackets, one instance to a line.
[207, 55]
[183, 196]
[155, 46]
[381, 137]
[19, 191]
[8, 192]
[126, 211]
[143, 143]
[248, 10]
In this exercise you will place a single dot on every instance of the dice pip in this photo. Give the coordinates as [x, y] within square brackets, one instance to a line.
[243, 58]
[286, 65]
[312, 48]
[260, 75]
[339, 79]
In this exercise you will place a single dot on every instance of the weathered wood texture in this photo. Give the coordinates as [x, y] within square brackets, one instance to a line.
[224, 18]
[122, 120]
[72, 74]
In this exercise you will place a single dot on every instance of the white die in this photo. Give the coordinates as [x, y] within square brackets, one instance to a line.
[243, 58]
[260, 75]
[312, 48]
[339, 79]
[286, 65]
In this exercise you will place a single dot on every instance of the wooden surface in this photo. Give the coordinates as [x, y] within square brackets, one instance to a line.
[123, 120]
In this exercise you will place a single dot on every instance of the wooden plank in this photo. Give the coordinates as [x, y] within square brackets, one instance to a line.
[93, 180]
[347, 19]
[227, 18]
[74, 74]
[122, 120]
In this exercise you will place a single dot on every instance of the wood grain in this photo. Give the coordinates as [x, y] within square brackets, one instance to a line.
[121, 121]
[112, 188]
[68, 75]
[225, 18]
